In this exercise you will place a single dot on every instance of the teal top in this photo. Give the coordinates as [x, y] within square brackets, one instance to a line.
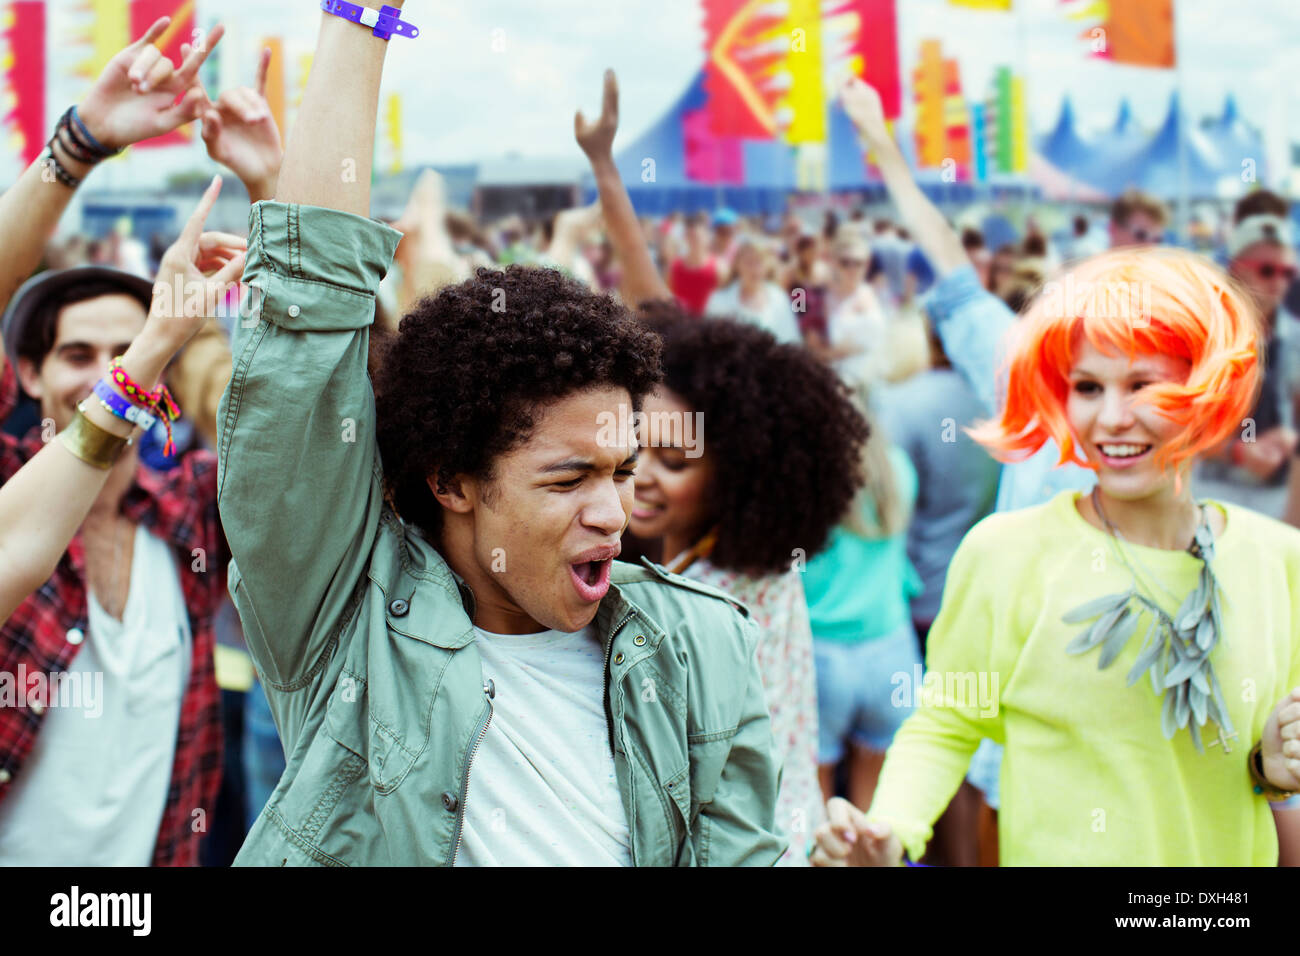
[860, 588]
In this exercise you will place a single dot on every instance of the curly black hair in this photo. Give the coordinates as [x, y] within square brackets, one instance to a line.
[780, 427]
[459, 383]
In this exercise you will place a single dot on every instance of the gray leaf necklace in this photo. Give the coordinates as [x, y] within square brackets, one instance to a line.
[1176, 652]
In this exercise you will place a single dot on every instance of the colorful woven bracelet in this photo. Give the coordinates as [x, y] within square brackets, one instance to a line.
[115, 404]
[159, 401]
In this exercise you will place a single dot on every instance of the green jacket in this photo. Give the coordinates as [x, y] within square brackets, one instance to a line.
[362, 633]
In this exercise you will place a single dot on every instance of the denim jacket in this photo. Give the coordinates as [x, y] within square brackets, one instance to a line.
[362, 633]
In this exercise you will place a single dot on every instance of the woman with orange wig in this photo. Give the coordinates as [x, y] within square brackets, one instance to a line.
[1125, 369]
[1136, 651]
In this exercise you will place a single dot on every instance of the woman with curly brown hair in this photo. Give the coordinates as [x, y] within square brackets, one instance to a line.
[743, 509]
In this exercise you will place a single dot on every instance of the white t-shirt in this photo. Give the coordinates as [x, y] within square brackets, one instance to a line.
[93, 788]
[859, 321]
[776, 315]
[542, 789]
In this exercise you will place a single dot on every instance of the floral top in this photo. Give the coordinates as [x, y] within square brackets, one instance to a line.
[785, 659]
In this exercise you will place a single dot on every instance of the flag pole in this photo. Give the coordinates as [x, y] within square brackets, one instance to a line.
[1184, 201]
[1022, 54]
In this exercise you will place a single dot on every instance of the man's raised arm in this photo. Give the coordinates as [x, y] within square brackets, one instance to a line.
[300, 489]
[972, 323]
[641, 280]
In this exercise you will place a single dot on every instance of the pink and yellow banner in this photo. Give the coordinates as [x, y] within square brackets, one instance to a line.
[24, 68]
[180, 30]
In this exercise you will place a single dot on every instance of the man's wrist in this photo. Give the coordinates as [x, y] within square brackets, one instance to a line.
[88, 113]
[74, 166]
[261, 189]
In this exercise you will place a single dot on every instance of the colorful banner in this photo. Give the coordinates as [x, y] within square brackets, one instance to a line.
[876, 51]
[1006, 123]
[106, 31]
[1136, 32]
[802, 112]
[956, 122]
[771, 63]
[710, 159]
[741, 58]
[928, 92]
[275, 93]
[980, 143]
[24, 68]
[393, 132]
[180, 30]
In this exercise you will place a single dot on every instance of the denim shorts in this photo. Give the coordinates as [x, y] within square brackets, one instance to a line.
[856, 699]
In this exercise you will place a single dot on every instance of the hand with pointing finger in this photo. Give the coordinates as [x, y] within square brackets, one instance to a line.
[241, 134]
[199, 264]
[848, 839]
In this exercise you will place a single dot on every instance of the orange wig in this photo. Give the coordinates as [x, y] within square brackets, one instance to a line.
[1150, 300]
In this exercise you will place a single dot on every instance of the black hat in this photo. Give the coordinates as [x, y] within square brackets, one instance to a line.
[33, 293]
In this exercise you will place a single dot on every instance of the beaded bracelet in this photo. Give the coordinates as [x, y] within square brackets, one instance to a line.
[51, 162]
[159, 401]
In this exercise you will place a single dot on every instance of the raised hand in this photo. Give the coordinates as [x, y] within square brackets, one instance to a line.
[1280, 743]
[597, 139]
[199, 267]
[862, 103]
[141, 94]
[241, 134]
[847, 839]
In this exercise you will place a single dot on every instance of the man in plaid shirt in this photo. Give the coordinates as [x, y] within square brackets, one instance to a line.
[131, 605]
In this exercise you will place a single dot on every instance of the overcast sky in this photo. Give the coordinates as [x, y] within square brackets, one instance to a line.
[490, 76]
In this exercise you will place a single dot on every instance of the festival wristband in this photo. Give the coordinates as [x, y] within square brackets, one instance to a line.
[114, 403]
[385, 21]
[159, 401]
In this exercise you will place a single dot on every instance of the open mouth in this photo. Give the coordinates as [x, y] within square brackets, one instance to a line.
[1122, 454]
[591, 576]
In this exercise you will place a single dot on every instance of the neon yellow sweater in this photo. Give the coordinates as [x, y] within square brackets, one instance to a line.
[1088, 778]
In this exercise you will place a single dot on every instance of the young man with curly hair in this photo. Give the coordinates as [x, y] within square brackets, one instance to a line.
[609, 714]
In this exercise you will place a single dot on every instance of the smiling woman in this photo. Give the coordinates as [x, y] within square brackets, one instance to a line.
[1047, 601]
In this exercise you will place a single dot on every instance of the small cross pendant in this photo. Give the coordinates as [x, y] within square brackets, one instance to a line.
[1227, 749]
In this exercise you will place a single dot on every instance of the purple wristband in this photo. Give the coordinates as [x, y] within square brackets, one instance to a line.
[122, 408]
[386, 21]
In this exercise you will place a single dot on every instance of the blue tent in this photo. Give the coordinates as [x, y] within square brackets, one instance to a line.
[1236, 142]
[1125, 134]
[769, 168]
[1155, 167]
[1063, 147]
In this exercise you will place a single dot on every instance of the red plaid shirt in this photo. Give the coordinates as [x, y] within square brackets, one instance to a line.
[180, 507]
